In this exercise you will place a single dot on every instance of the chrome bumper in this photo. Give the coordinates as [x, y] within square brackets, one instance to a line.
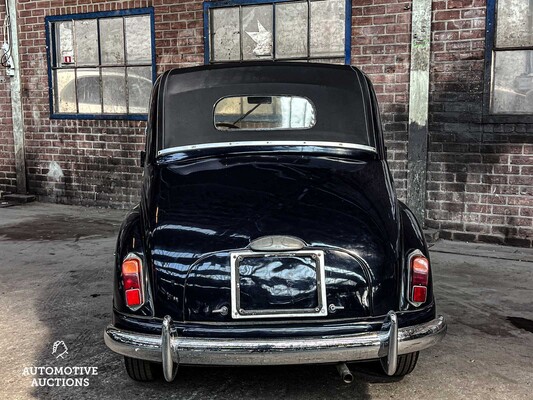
[173, 350]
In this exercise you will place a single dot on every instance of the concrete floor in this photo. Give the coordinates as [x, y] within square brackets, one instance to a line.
[55, 284]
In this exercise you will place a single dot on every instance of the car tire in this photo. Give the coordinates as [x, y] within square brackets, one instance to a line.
[406, 364]
[142, 370]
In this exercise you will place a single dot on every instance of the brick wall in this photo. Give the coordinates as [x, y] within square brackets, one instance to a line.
[480, 179]
[381, 37]
[92, 162]
[179, 33]
[480, 174]
[7, 152]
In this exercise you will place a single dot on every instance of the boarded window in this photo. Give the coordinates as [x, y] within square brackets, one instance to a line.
[512, 58]
[284, 30]
[101, 65]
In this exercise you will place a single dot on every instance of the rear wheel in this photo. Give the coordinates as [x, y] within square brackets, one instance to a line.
[142, 370]
[406, 364]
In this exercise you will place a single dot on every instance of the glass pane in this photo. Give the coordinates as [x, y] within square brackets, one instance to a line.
[112, 40]
[291, 30]
[114, 90]
[257, 32]
[514, 26]
[65, 91]
[327, 28]
[264, 113]
[513, 82]
[86, 40]
[88, 88]
[138, 40]
[139, 88]
[65, 56]
[225, 34]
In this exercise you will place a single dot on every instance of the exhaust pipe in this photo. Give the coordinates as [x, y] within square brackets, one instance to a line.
[345, 373]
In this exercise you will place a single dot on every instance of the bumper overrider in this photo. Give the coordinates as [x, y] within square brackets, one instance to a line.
[172, 350]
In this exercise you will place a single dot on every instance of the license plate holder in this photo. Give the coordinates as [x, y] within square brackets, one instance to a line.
[241, 275]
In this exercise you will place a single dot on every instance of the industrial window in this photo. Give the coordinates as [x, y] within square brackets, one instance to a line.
[101, 65]
[246, 30]
[510, 27]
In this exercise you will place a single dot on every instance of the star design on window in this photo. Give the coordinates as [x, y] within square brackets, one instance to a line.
[263, 41]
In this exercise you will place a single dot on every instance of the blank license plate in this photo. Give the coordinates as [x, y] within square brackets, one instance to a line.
[270, 285]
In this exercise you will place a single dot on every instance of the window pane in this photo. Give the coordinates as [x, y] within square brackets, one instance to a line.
[65, 44]
[327, 28]
[225, 34]
[114, 90]
[513, 83]
[138, 40]
[264, 113]
[139, 88]
[93, 79]
[86, 39]
[514, 25]
[88, 88]
[65, 91]
[291, 30]
[112, 40]
[257, 32]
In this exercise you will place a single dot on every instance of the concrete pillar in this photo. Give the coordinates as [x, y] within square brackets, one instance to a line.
[417, 146]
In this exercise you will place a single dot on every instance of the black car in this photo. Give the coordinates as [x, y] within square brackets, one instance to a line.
[268, 230]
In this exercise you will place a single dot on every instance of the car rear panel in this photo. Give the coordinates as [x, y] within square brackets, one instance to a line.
[210, 208]
[208, 289]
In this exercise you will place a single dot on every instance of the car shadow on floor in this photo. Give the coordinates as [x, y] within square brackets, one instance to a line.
[75, 306]
[268, 382]
[82, 333]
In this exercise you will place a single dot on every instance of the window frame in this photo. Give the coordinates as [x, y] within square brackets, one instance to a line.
[51, 52]
[208, 5]
[490, 49]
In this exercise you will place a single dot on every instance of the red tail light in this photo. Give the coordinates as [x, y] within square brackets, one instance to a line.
[419, 277]
[132, 281]
[419, 294]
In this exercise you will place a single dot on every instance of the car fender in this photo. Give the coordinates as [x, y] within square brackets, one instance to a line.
[130, 240]
[412, 239]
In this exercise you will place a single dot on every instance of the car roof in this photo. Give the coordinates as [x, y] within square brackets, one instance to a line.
[340, 94]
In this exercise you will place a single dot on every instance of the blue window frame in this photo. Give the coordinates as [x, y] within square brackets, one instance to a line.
[508, 89]
[101, 65]
[269, 43]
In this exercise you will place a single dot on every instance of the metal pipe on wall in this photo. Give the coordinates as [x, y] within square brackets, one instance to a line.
[16, 99]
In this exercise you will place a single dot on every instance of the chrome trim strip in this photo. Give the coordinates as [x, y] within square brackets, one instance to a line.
[265, 143]
[274, 351]
[320, 311]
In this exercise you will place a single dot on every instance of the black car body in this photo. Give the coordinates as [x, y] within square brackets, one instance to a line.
[268, 230]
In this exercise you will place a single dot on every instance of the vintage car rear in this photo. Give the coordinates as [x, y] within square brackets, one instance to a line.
[268, 230]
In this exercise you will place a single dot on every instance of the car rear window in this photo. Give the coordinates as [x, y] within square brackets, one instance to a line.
[265, 112]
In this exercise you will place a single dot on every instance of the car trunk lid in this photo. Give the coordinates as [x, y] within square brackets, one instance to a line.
[210, 209]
